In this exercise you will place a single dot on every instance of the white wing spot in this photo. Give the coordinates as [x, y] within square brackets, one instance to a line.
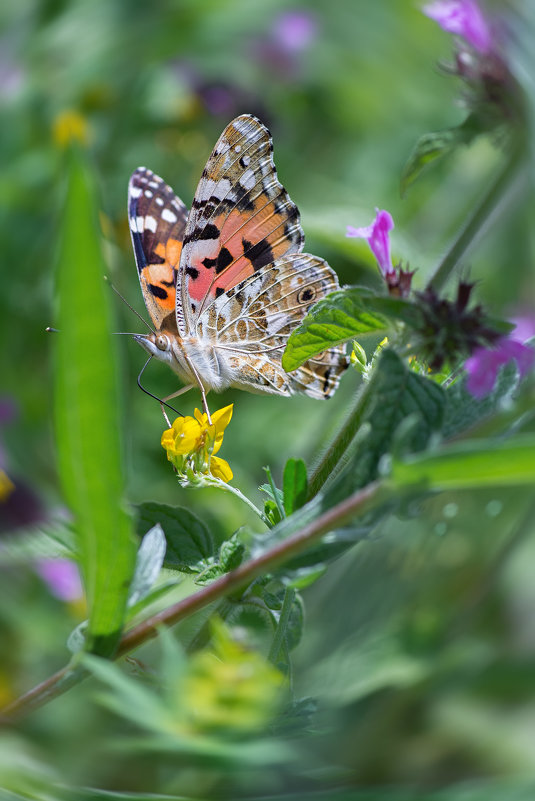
[246, 160]
[139, 222]
[151, 224]
[237, 148]
[159, 201]
[135, 191]
[154, 184]
[247, 180]
[169, 216]
[148, 193]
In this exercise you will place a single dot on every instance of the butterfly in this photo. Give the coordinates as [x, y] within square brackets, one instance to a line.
[227, 283]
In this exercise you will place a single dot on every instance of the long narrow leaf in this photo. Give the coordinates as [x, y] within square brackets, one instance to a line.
[86, 414]
[466, 465]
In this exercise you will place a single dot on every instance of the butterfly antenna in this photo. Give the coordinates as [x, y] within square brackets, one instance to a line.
[146, 391]
[129, 306]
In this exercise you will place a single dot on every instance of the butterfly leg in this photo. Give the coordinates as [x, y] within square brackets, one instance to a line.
[201, 388]
[180, 391]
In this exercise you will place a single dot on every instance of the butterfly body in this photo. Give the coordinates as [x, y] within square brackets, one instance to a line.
[226, 284]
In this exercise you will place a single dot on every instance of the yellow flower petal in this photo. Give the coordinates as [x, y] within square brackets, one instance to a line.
[222, 418]
[219, 468]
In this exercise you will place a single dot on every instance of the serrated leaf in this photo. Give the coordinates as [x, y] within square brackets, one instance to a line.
[190, 546]
[149, 562]
[432, 146]
[86, 414]
[462, 410]
[294, 485]
[470, 464]
[336, 319]
[231, 553]
[393, 393]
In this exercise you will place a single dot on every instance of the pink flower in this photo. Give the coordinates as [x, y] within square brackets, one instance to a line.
[483, 365]
[377, 235]
[462, 18]
[295, 30]
[62, 578]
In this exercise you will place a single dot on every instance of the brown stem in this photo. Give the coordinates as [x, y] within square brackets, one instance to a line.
[333, 518]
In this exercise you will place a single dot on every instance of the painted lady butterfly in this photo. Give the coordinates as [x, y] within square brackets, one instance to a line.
[226, 284]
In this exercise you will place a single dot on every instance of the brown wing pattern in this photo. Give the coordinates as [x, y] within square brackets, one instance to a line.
[157, 222]
[241, 221]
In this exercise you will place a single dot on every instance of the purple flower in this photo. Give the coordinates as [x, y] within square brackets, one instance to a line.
[294, 31]
[377, 235]
[483, 365]
[62, 578]
[463, 18]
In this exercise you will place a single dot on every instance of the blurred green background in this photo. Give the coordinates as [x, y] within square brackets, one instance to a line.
[419, 644]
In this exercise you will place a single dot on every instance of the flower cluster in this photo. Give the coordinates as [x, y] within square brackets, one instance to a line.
[479, 60]
[448, 329]
[191, 444]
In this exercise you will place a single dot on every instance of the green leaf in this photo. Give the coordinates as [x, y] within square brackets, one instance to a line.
[230, 556]
[393, 394]
[86, 414]
[339, 317]
[463, 411]
[433, 146]
[231, 553]
[470, 464]
[149, 562]
[190, 546]
[294, 485]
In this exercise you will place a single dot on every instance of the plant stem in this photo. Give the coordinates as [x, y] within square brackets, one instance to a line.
[358, 503]
[235, 491]
[480, 218]
[280, 632]
[332, 456]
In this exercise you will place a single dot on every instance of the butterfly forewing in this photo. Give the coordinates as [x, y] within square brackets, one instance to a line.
[157, 221]
[241, 220]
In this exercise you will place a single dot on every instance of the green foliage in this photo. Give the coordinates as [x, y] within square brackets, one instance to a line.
[432, 146]
[338, 318]
[365, 635]
[295, 485]
[190, 546]
[86, 415]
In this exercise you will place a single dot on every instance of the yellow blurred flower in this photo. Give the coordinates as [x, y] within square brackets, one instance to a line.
[191, 444]
[70, 126]
[6, 486]
[230, 687]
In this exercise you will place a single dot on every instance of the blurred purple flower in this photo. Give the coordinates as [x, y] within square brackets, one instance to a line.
[463, 18]
[483, 365]
[294, 31]
[377, 236]
[525, 326]
[62, 578]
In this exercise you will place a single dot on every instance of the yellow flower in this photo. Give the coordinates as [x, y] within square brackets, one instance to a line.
[7, 486]
[70, 126]
[191, 443]
[230, 687]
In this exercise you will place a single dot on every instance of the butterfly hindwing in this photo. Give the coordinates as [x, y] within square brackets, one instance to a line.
[157, 221]
[241, 221]
[251, 324]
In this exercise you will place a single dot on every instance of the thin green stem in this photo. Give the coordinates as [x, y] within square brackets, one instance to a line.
[330, 459]
[284, 619]
[359, 503]
[235, 491]
[480, 217]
